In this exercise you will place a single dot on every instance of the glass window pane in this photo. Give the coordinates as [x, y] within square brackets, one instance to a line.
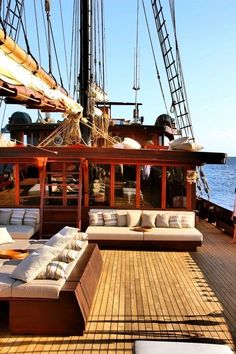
[151, 184]
[7, 185]
[29, 184]
[176, 187]
[125, 185]
[99, 184]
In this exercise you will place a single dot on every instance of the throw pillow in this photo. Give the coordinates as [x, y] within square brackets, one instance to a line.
[82, 236]
[76, 245]
[110, 218]
[133, 217]
[5, 237]
[54, 270]
[121, 217]
[17, 217]
[96, 218]
[5, 216]
[31, 266]
[187, 221]
[31, 217]
[175, 221]
[69, 231]
[148, 219]
[162, 220]
[67, 256]
[59, 241]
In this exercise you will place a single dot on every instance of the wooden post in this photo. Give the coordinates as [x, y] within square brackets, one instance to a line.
[163, 188]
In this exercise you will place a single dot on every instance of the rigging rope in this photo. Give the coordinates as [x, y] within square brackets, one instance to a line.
[64, 41]
[154, 57]
[37, 30]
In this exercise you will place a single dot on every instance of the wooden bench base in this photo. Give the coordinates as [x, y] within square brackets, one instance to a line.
[66, 315]
[190, 246]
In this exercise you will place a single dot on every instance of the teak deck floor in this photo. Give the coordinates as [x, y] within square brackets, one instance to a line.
[176, 296]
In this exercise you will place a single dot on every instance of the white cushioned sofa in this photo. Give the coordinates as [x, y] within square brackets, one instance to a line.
[162, 229]
[42, 288]
[21, 223]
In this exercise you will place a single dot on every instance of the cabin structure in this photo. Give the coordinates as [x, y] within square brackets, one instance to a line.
[65, 181]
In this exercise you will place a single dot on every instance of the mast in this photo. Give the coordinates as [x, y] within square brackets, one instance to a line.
[85, 64]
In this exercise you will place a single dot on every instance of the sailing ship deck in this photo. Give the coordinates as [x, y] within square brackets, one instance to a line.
[176, 296]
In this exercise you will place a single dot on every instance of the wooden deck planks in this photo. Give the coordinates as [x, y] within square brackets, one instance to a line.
[156, 296]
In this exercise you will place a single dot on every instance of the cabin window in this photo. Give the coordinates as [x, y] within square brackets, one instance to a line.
[7, 185]
[125, 186]
[29, 184]
[151, 186]
[99, 184]
[175, 187]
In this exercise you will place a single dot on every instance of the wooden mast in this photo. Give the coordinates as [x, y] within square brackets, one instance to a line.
[85, 64]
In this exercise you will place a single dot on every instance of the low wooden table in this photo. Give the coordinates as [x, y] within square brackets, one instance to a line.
[13, 254]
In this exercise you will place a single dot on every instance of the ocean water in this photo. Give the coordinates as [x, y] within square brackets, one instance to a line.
[222, 183]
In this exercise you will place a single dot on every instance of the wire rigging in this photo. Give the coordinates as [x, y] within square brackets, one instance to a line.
[136, 85]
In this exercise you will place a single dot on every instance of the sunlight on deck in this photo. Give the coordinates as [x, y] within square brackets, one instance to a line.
[156, 296]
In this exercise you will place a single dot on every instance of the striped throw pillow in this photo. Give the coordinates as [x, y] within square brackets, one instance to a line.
[31, 217]
[110, 218]
[96, 218]
[76, 245]
[55, 270]
[187, 221]
[82, 236]
[67, 256]
[175, 221]
[17, 217]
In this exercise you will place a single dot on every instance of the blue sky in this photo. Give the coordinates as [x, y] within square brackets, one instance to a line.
[207, 40]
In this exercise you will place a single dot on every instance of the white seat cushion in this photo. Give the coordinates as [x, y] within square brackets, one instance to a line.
[113, 233]
[155, 347]
[20, 231]
[6, 281]
[38, 288]
[173, 234]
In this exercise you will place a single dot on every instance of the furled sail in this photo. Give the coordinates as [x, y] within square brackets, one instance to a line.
[17, 69]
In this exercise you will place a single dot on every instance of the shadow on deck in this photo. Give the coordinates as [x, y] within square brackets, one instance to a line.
[176, 296]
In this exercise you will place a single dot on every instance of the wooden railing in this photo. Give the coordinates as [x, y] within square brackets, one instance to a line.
[215, 214]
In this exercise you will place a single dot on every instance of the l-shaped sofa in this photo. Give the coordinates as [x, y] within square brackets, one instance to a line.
[52, 289]
[151, 229]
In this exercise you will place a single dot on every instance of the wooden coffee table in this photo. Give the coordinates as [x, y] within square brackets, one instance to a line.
[13, 254]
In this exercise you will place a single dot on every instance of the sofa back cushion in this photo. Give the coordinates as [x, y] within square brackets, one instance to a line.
[5, 216]
[31, 217]
[17, 216]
